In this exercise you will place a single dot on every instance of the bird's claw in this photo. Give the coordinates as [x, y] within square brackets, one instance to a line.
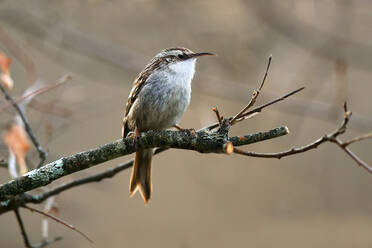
[135, 138]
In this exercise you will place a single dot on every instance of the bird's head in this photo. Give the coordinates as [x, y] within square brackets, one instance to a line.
[178, 59]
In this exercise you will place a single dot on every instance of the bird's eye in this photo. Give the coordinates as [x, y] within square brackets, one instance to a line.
[181, 56]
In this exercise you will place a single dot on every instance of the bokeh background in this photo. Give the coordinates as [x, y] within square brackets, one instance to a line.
[317, 199]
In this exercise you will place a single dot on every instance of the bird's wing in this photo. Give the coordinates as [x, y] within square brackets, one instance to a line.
[137, 86]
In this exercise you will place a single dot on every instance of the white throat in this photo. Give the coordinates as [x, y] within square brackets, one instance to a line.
[183, 71]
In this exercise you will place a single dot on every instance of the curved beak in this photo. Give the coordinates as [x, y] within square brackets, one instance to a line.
[200, 54]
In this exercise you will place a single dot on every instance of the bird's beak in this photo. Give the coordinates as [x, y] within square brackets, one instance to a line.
[200, 54]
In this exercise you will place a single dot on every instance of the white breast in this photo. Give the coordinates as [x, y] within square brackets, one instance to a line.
[165, 96]
[179, 83]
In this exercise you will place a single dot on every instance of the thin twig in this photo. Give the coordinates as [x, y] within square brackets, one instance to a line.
[279, 155]
[219, 118]
[249, 105]
[260, 108]
[353, 156]
[255, 110]
[57, 83]
[357, 139]
[26, 241]
[340, 130]
[292, 151]
[254, 95]
[332, 137]
[59, 221]
[266, 72]
[42, 153]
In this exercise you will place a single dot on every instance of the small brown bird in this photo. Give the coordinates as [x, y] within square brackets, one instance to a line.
[157, 101]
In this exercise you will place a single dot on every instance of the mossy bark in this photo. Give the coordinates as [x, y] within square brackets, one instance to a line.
[201, 141]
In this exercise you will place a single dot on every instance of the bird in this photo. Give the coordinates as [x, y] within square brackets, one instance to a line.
[159, 96]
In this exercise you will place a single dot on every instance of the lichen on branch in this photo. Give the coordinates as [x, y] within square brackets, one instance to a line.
[203, 141]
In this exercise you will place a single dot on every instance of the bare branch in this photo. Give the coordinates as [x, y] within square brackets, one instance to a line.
[57, 83]
[238, 116]
[243, 116]
[109, 173]
[26, 241]
[332, 137]
[286, 153]
[201, 141]
[42, 153]
[260, 108]
[353, 156]
[257, 137]
[266, 72]
[255, 110]
[302, 149]
[58, 220]
[254, 95]
[357, 139]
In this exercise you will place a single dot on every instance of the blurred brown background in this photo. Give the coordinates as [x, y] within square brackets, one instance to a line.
[317, 199]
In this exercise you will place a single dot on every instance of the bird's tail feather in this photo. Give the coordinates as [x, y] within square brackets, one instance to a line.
[141, 174]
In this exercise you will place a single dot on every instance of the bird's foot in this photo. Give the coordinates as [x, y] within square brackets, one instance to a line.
[134, 136]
